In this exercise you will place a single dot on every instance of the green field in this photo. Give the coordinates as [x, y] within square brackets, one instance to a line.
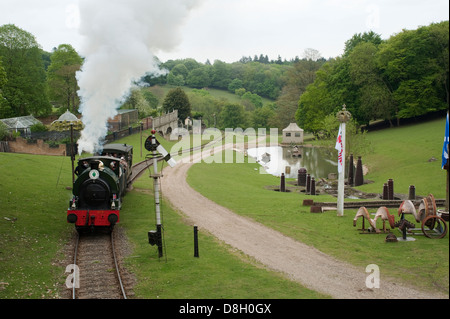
[34, 232]
[161, 91]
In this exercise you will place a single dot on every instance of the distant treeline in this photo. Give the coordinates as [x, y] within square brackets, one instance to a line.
[264, 79]
[404, 76]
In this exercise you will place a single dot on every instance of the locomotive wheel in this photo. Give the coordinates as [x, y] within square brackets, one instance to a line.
[438, 227]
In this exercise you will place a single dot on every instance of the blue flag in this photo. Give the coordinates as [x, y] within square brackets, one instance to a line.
[445, 147]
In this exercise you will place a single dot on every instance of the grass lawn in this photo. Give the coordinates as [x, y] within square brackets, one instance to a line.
[33, 228]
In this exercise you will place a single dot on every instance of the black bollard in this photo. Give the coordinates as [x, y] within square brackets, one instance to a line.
[359, 179]
[390, 189]
[385, 191]
[351, 178]
[195, 241]
[412, 192]
[282, 183]
[308, 183]
[313, 186]
[301, 179]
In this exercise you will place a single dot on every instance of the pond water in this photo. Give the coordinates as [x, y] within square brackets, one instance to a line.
[318, 161]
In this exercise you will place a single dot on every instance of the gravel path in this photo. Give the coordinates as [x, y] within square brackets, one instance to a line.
[299, 262]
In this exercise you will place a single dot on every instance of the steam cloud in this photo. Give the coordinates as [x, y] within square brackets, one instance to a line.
[120, 39]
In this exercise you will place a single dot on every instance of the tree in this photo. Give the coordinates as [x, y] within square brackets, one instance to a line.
[136, 100]
[180, 69]
[264, 117]
[298, 78]
[5, 110]
[366, 37]
[221, 75]
[254, 99]
[321, 97]
[234, 85]
[62, 83]
[177, 80]
[311, 55]
[25, 90]
[203, 102]
[177, 99]
[377, 100]
[233, 116]
[198, 78]
[151, 98]
[402, 77]
[415, 64]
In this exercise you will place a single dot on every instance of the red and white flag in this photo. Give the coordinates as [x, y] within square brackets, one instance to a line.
[339, 148]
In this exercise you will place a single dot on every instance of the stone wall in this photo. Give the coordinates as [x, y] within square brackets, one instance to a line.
[21, 145]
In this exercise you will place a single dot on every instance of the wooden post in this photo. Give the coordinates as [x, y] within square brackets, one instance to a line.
[282, 183]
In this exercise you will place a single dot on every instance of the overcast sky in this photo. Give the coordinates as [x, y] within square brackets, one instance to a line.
[229, 29]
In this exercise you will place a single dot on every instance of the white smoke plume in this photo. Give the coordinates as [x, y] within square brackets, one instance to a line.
[120, 40]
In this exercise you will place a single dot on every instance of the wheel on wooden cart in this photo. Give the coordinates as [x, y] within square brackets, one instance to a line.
[434, 226]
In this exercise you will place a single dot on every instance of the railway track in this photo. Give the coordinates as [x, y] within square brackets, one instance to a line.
[140, 167]
[98, 268]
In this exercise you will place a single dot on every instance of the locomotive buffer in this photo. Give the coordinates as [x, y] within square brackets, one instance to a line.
[158, 151]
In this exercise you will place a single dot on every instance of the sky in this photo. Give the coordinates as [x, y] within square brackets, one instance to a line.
[227, 30]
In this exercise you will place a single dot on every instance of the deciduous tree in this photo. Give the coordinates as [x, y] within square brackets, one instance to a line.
[177, 99]
[61, 77]
[25, 91]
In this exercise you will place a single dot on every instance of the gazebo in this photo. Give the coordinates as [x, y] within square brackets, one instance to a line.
[64, 121]
[292, 134]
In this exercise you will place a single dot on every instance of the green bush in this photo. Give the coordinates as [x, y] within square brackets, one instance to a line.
[38, 127]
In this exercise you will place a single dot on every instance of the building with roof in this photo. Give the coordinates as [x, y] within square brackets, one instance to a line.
[292, 134]
[65, 120]
[21, 124]
[123, 119]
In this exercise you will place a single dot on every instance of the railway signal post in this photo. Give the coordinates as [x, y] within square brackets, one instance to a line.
[158, 152]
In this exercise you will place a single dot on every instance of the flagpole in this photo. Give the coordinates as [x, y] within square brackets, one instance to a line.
[341, 183]
[445, 162]
[343, 117]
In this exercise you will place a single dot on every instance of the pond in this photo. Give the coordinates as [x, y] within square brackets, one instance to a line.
[318, 161]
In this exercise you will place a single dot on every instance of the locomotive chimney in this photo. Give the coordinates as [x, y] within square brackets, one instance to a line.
[94, 164]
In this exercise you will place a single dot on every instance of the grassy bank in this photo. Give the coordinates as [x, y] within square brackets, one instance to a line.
[410, 155]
